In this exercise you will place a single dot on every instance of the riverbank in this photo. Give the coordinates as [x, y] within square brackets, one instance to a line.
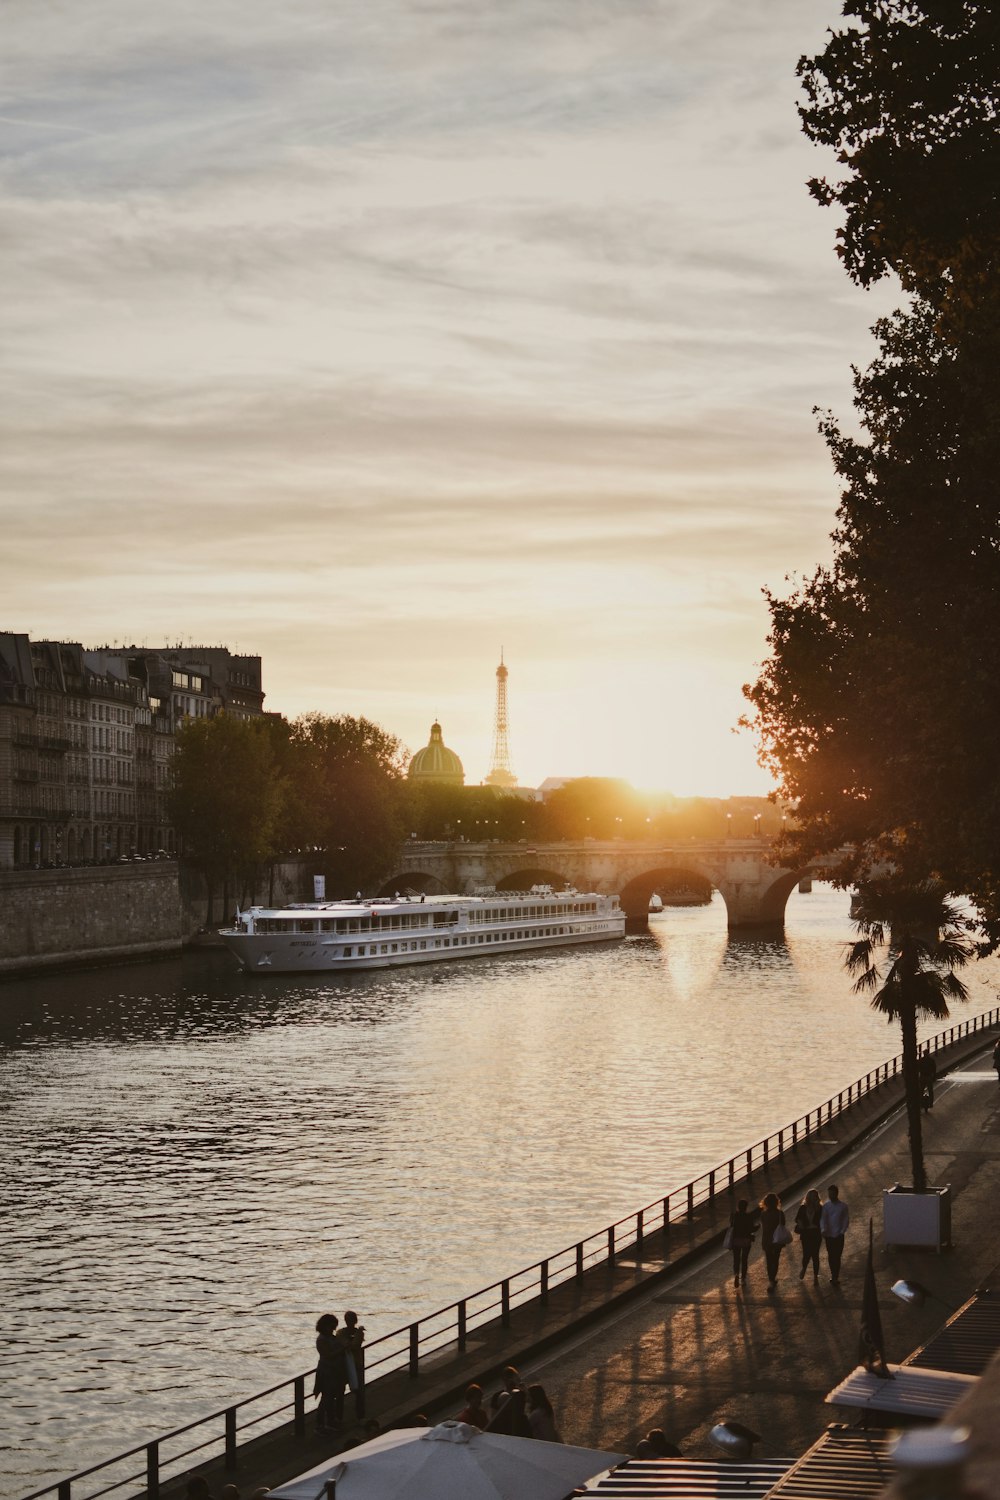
[661, 1338]
[94, 915]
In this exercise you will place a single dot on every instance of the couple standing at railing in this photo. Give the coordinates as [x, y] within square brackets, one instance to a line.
[341, 1363]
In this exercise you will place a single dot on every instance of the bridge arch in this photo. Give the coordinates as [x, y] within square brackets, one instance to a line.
[754, 890]
[774, 898]
[662, 879]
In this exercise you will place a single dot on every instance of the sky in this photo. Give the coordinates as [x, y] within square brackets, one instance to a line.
[374, 338]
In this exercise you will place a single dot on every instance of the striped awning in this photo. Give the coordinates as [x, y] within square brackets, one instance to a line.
[690, 1479]
[967, 1342]
[911, 1392]
[846, 1464]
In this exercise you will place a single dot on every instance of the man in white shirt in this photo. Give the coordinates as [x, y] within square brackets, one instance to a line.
[833, 1222]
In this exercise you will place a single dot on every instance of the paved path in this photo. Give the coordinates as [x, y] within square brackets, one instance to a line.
[697, 1351]
[673, 1345]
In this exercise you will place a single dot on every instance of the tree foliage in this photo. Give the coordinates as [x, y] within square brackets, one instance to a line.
[226, 796]
[875, 707]
[911, 940]
[907, 97]
[347, 789]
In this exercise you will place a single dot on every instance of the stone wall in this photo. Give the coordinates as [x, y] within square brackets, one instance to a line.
[109, 913]
[50, 917]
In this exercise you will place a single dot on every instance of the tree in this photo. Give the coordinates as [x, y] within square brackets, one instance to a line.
[907, 98]
[348, 800]
[226, 797]
[923, 934]
[600, 807]
[875, 708]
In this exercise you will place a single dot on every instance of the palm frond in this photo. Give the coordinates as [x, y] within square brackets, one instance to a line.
[952, 951]
[860, 955]
[868, 979]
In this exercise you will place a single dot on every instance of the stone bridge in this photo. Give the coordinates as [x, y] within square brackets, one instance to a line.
[754, 890]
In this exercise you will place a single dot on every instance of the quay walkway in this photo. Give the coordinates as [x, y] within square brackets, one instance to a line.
[658, 1337]
[639, 1326]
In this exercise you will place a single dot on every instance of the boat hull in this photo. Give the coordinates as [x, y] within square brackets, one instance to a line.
[294, 954]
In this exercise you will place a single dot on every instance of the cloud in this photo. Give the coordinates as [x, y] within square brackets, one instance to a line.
[425, 321]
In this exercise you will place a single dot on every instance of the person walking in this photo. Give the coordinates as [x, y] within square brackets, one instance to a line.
[996, 1057]
[807, 1221]
[833, 1224]
[352, 1337]
[331, 1375]
[774, 1235]
[927, 1074]
[741, 1233]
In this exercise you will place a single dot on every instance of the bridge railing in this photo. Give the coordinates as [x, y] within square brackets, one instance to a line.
[151, 1465]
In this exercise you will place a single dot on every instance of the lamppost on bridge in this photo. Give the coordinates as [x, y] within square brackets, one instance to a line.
[756, 825]
[729, 825]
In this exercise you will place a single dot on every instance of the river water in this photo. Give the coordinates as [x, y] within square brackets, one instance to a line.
[196, 1163]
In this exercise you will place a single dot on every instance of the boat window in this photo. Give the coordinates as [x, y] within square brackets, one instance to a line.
[348, 952]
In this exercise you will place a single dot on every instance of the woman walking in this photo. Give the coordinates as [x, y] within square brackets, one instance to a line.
[772, 1223]
[741, 1232]
[807, 1227]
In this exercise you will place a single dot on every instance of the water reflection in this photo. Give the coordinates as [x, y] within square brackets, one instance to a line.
[196, 1161]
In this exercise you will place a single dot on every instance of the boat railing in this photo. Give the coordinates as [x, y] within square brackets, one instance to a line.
[447, 1330]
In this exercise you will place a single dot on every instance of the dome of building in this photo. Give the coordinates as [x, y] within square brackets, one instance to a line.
[435, 762]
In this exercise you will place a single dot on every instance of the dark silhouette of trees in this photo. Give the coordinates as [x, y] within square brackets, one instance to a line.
[907, 98]
[875, 707]
[226, 798]
[347, 800]
[436, 810]
[922, 937]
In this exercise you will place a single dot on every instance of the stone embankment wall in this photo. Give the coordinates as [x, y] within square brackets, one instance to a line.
[51, 917]
[109, 913]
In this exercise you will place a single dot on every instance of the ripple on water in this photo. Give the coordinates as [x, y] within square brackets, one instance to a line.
[197, 1163]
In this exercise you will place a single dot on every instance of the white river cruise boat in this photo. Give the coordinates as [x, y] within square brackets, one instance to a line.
[330, 936]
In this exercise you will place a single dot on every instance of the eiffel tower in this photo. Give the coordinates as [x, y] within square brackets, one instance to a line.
[501, 774]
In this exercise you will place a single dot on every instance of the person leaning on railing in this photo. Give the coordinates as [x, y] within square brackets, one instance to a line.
[331, 1374]
[352, 1338]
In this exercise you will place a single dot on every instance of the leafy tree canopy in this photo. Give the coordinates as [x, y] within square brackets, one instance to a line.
[907, 97]
[347, 776]
[875, 708]
[226, 795]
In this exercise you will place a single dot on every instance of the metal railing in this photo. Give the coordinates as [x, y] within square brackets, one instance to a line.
[405, 1348]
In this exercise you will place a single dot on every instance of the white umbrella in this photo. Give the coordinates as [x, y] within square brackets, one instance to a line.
[451, 1462]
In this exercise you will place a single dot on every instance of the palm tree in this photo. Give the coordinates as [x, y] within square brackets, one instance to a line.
[919, 933]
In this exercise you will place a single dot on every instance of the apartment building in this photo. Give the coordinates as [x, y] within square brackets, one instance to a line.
[86, 738]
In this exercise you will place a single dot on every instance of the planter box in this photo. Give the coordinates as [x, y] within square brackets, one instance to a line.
[912, 1218]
